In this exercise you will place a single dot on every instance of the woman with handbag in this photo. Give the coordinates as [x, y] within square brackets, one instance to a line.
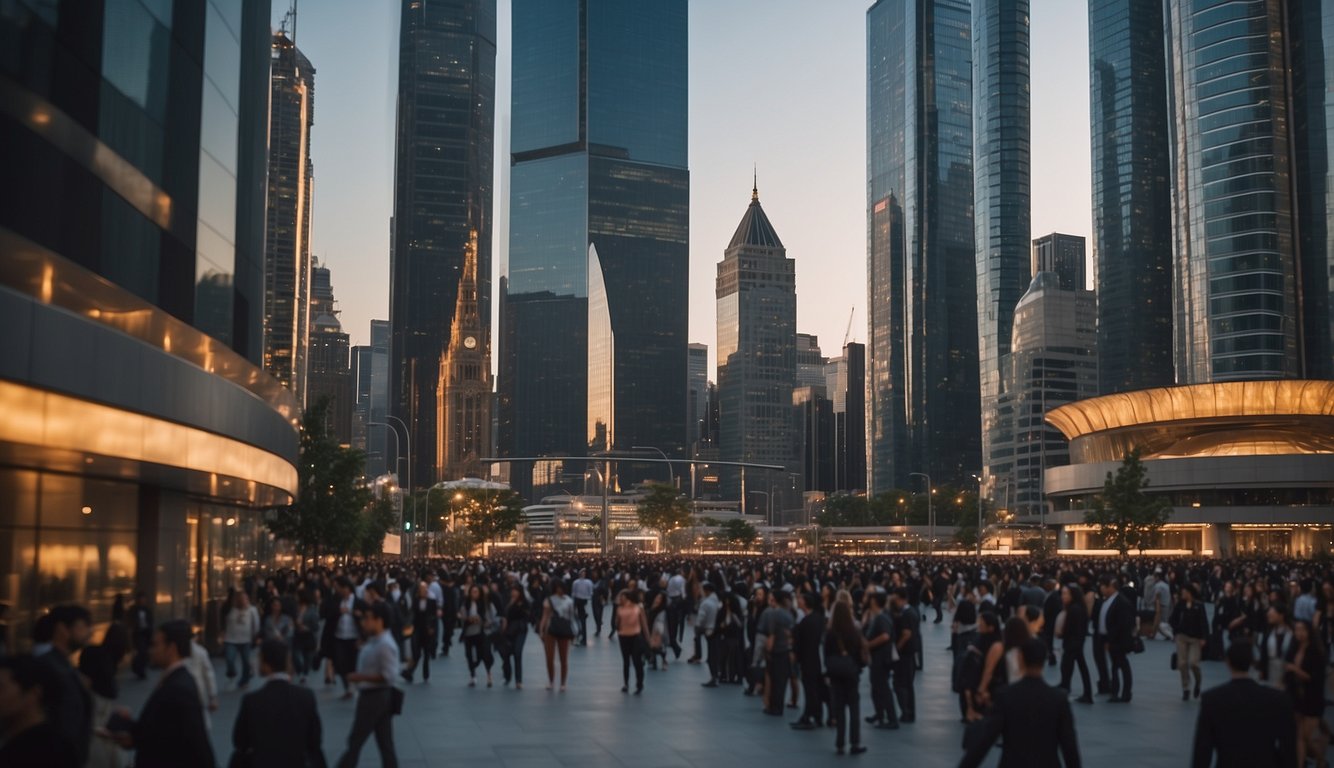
[844, 656]
[477, 616]
[659, 630]
[632, 632]
[514, 630]
[557, 630]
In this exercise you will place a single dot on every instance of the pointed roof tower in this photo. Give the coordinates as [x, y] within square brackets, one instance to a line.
[755, 229]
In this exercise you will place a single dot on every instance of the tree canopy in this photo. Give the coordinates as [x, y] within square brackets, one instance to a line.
[1126, 516]
[738, 532]
[663, 509]
[487, 515]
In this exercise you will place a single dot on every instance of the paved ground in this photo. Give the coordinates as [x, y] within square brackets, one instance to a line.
[678, 723]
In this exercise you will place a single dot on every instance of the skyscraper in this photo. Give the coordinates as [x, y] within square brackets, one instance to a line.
[370, 369]
[1132, 207]
[757, 335]
[1052, 361]
[810, 361]
[329, 375]
[845, 381]
[1000, 192]
[921, 265]
[442, 195]
[1062, 255]
[598, 177]
[288, 215]
[697, 392]
[1239, 270]
[464, 435]
[142, 438]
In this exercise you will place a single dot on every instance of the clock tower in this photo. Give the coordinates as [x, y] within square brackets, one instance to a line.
[464, 418]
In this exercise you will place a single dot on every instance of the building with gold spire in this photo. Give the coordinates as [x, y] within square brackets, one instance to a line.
[463, 410]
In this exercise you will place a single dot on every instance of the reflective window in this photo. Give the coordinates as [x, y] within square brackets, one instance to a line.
[135, 51]
[222, 56]
[546, 97]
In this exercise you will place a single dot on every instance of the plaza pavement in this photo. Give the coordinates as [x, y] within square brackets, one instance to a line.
[675, 722]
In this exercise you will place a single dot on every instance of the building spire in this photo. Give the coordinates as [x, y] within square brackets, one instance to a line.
[755, 184]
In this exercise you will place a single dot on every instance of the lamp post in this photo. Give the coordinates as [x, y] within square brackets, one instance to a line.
[407, 437]
[671, 476]
[394, 432]
[930, 512]
[978, 478]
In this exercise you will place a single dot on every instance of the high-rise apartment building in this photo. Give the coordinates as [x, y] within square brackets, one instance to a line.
[598, 179]
[1062, 255]
[1132, 205]
[810, 361]
[1248, 98]
[287, 261]
[921, 262]
[1000, 195]
[1052, 361]
[697, 393]
[845, 383]
[757, 332]
[370, 371]
[142, 437]
[442, 195]
[329, 376]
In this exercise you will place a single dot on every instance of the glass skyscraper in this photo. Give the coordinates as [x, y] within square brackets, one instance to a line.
[141, 438]
[442, 195]
[921, 263]
[1000, 194]
[597, 176]
[1132, 207]
[1244, 253]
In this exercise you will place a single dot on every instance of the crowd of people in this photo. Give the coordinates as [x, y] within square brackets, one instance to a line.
[798, 634]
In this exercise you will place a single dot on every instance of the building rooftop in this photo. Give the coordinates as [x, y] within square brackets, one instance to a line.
[755, 229]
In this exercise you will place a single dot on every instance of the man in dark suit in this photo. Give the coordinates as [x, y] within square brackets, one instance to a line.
[69, 707]
[278, 725]
[170, 731]
[1247, 724]
[908, 640]
[1116, 621]
[807, 640]
[1034, 718]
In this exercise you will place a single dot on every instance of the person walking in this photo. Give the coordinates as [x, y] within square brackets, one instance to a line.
[1116, 619]
[140, 624]
[377, 666]
[908, 649]
[844, 655]
[878, 629]
[1246, 724]
[27, 738]
[200, 665]
[632, 633]
[514, 633]
[307, 624]
[1072, 629]
[342, 624]
[1190, 628]
[99, 665]
[776, 625]
[170, 731]
[706, 624]
[659, 631]
[278, 725]
[581, 591]
[69, 706]
[478, 616]
[276, 624]
[1304, 680]
[1033, 718]
[807, 642]
[425, 615]
[240, 629]
[557, 630]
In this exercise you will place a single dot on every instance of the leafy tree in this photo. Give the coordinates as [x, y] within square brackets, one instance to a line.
[488, 515]
[845, 510]
[380, 518]
[326, 516]
[1125, 515]
[738, 532]
[966, 536]
[663, 510]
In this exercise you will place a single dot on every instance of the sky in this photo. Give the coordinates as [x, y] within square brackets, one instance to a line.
[774, 89]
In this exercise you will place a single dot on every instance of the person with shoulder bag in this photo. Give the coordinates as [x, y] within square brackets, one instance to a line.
[845, 655]
[632, 633]
[557, 630]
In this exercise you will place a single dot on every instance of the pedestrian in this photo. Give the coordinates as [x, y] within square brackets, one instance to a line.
[659, 635]
[1304, 679]
[304, 635]
[1190, 628]
[1072, 629]
[1274, 645]
[276, 624]
[514, 634]
[69, 706]
[844, 655]
[1246, 724]
[425, 614]
[345, 618]
[241, 628]
[170, 731]
[908, 649]
[477, 616]
[632, 633]
[983, 667]
[878, 629]
[377, 666]
[557, 630]
[776, 624]
[1116, 621]
[582, 593]
[807, 643]
[1033, 718]
[278, 725]
[706, 625]
[140, 620]
[27, 738]
[200, 665]
[99, 664]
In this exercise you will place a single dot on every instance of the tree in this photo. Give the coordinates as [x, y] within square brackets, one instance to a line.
[380, 518]
[738, 532]
[1125, 515]
[663, 510]
[846, 510]
[326, 516]
[489, 515]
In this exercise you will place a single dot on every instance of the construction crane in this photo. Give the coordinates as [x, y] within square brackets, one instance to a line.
[848, 333]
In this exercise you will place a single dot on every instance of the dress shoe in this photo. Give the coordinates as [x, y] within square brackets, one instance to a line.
[857, 750]
[909, 719]
[873, 719]
[1185, 695]
[1197, 689]
[1119, 700]
[1085, 699]
[803, 725]
[886, 726]
[710, 684]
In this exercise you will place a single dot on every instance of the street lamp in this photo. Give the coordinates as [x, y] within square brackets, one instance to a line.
[978, 478]
[671, 476]
[408, 486]
[930, 512]
[407, 437]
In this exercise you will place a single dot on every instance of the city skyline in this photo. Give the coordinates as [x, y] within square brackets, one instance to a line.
[820, 196]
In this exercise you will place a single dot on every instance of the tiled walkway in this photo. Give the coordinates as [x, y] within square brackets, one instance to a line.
[678, 723]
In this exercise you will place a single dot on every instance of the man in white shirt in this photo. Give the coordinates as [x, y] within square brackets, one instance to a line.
[676, 610]
[582, 591]
[377, 666]
[200, 665]
[706, 621]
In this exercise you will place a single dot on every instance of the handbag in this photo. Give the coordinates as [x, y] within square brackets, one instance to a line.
[396, 700]
[1139, 645]
[1174, 659]
[559, 626]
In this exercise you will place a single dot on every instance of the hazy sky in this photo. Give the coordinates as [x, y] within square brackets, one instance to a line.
[778, 84]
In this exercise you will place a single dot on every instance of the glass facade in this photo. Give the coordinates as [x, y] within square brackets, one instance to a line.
[599, 159]
[1235, 273]
[921, 263]
[1000, 193]
[1132, 214]
[1062, 255]
[442, 193]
